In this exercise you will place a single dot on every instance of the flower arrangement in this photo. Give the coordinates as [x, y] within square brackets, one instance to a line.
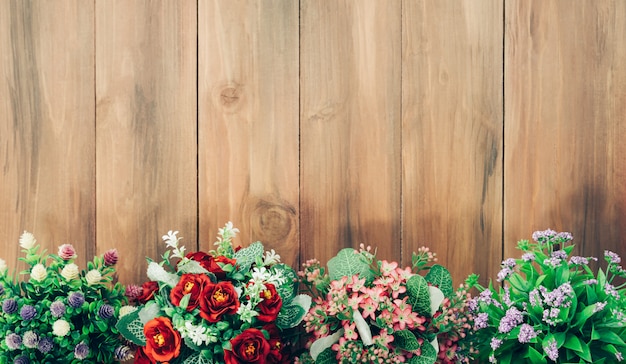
[552, 307]
[371, 311]
[229, 305]
[61, 313]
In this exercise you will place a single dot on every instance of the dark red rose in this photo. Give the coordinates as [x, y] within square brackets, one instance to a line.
[210, 263]
[148, 289]
[142, 358]
[189, 284]
[271, 304]
[162, 341]
[248, 347]
[278, 351]
[218, 299]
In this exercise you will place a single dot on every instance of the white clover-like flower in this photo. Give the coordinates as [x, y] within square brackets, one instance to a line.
[60, 328]
[158, 273]
[70, 272]
[39, 272]
[125, 310]
[199, 335]
[27, 240]
[271, 258]
[93, 277]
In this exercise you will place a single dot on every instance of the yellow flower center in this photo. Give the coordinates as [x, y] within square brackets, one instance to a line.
[250, 348]
[267, 294]
[188, 287]
[220, 296]
[159, 340]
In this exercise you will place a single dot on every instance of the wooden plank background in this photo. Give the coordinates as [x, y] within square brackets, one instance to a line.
[313, 125]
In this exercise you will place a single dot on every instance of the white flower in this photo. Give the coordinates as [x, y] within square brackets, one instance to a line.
[60, 328]
[3, 266]
[246, 312]
[38, 272]
[125, 310]
[93, 277]
[271, 258]
[157, 273]
[228, 231]
[171, 240]
[198, 334]
[27, 240]
[70, 271]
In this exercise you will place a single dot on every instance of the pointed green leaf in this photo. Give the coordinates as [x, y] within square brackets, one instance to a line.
[131, 327]
[419, 295]
[406, 340]
[439, 276]
[346, 263]
[247, 256]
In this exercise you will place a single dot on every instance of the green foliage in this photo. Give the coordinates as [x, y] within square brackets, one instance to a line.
[419, 298]
[349, 262]
[439, 276]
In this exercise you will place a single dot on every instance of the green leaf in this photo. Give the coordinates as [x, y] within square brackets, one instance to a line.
[427, 356]
[346, 263]
[610, 337]
[582, 316]
[197, 358]
[406, 340]
[439, 276]
[290, 316]
[326, 357]
[131, 328]
[419, 295]
[573, 343]
[535, 356]
[247, 256]
[289, 289]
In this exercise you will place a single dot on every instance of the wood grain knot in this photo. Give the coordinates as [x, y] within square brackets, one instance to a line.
[272, 222]
[229, 96]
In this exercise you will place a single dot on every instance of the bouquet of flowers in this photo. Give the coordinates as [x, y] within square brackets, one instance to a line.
[552, 307]
[229, 305]
[60, 313]
[371, 311]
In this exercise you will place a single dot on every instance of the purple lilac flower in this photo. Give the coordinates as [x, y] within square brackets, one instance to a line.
[472, 304]
[540, 236]
[21, 360]
[512, 318]
[559, 254]
[564, 236]
[45, 345]
[492, 358]
[495, 343]
[551, 350]
[599, 307]
[106, 311]
[589, 282]
[619, 356]
[481, 321]
[504, 273]
[610, 290]
[81, 351]
[13, 341]
[552, 262]
[30, 340]
[535, 298]
[528, 257]
[76, 299]
[550, 316]
[576, 260]
[612, 257]
[57, 308]
[123, 353]
[506, 298]
[28, 312]
[486, 296]
[526, 333]
[111, 257]
[510, 262]
[561, 296]
[9, 306]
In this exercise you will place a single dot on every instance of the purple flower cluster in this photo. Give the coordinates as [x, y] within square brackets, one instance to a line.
[528, 257]
[21, 360]
[13, 341]
[481, 321]
[81, 351]
[612, 257]
[576, 260]
[551, 350]
[511, 319]
[106, 311]
[123, 353]
[28, 312]
[45, 345]
[495, 343]
[526, 333]
[541, 236]
[504, 273]
[57, 308]
[9, 306]
[76, 299]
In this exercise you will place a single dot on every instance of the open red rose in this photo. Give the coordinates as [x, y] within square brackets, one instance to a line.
[278, 350]
[209, 263]
[218, 299]
[148, 289]
[162, 341]
[248, 347]
[192, 284]
[270, 305]
[142, 358]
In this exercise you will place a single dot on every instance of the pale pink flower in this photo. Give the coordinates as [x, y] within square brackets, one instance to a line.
[387, 268]
[350, 332]
[67, 252]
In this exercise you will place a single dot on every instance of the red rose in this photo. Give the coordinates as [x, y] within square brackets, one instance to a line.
[162, 341]
[278, 351]
[142, 358]
[189, 284]
[248, 347]
[209, 263]
[148, 289]
[271, 304]
[218, 299]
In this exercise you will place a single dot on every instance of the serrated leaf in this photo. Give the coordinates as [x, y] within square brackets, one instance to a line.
[191, 267]
[419, 295]
[196, 358]
[247, 256]
[290, 316]
[406, 340]
[346, 263]
[131, 327]
[288, 290]
[439, 276]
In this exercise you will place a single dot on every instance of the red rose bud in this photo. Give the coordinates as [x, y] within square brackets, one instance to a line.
[218, 299]
[148, 290]
[110, 257]
[248, 347]
[162, 341]
[192, 284]
[271, 304]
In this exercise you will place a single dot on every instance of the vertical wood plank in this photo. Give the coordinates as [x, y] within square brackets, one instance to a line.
[146, 128]
[248, 122]
[566, 122]
[452, 133]
[350, 126]
[47, 125]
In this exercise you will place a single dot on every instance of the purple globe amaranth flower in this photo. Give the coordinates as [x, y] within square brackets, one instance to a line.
[57, 308]
[13, 341]
[45, 345]
[9, 306]
[76, 299]
[1, 289]
[106, 311]
[123, 353]
[133, 291]
[81, 351]
[28, 312]
[21, 360]
[111, 257]
[30, 339]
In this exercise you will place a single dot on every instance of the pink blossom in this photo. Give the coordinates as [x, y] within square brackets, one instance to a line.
[67, 252]
[386, 268]
[369, 307]
[350, 332]
[111, 257]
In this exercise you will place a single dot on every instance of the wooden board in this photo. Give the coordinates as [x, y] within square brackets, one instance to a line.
[47, 126]
[566, 122]
[248, 122]
[452, 133]
[146, 128]
[350, 127]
